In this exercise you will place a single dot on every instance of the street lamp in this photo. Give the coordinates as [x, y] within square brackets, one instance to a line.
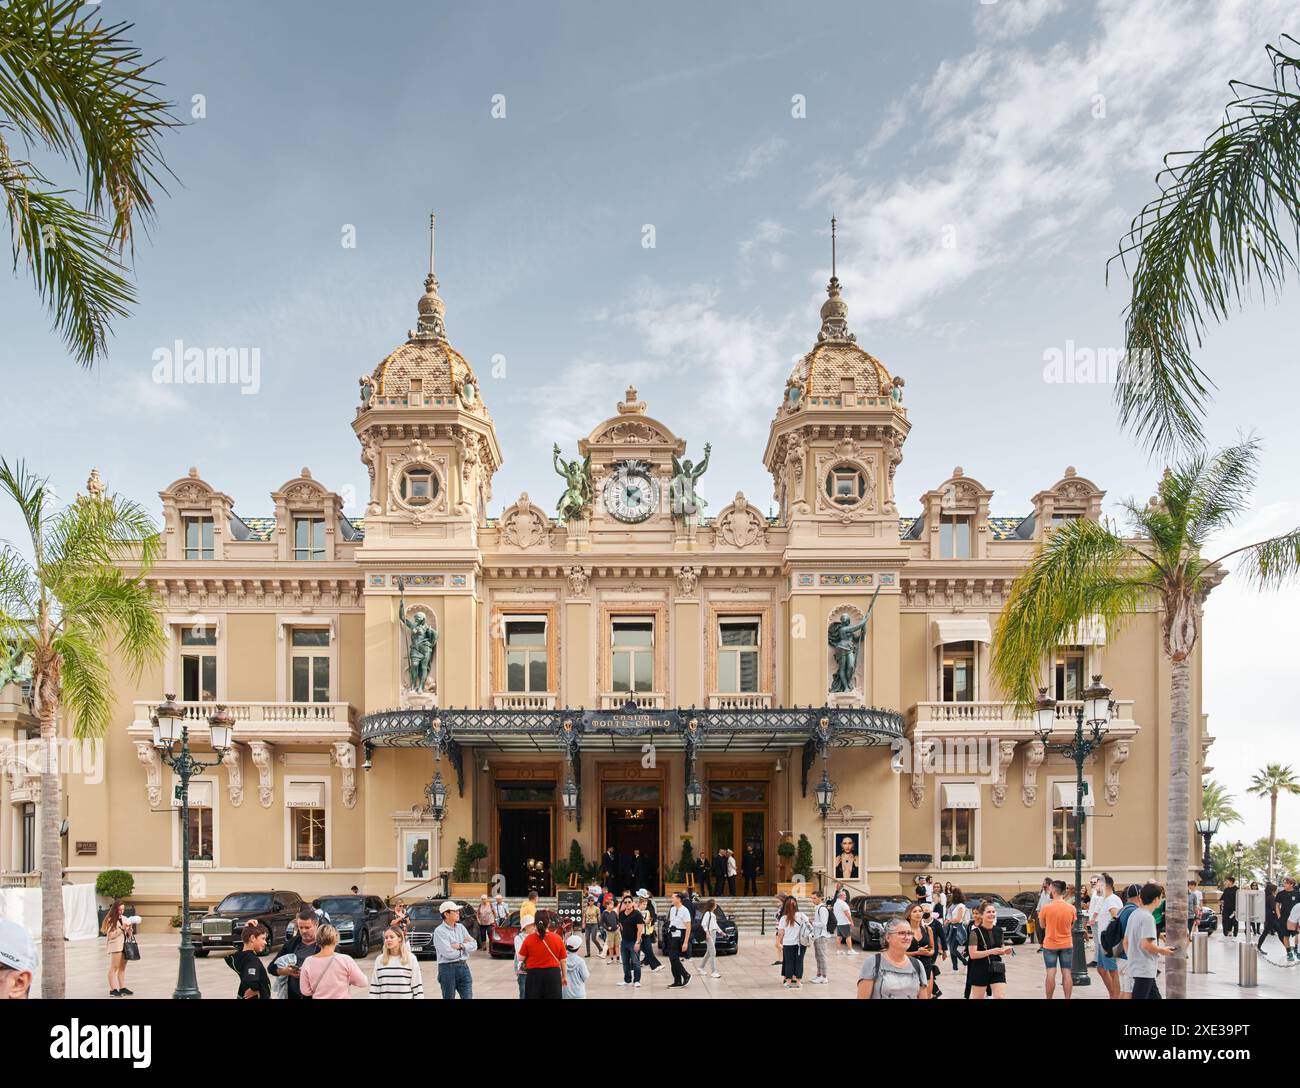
[825, 794]
[569, 796]
[694, 797]
[1096, 710]
[1238, 852]
[169, 728]
[436, 792]
[1207, 827]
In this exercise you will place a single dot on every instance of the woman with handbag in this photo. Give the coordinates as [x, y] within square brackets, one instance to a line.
[543, 954]
[117, 930]
[329, 973]
[922, 944]
[791, 929]
[987, 974]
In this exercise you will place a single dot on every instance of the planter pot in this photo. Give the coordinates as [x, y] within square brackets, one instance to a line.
[680, 889]
[789, 887]
[467, 890]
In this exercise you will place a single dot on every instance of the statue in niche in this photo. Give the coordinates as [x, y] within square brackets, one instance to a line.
[845, 639]
[423, 641]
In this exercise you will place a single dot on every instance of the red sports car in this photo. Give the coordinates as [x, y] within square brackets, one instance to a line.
[501, 940]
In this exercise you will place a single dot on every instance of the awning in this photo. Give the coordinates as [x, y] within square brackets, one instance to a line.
[1063, 796]
[304, 795]
[201, 796]
[960, 795]
[1089, 632]
[960, 629]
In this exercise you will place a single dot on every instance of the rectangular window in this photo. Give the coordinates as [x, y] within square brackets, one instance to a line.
[1068, 673]
[1063, 833]
[308, 834]
[958, 672]
[954, 536]
[738, 655]
[200, 832]
[29, 838]
[310, 665]
[308, 538]
[198, 538]
[198, 664]
[1060, 519]
[633, 654]
[526, 660]
[957, 834]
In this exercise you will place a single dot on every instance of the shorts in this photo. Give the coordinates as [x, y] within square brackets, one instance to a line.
[1105, 962]
[1058, 957]
[1125, 979]
[843, 932]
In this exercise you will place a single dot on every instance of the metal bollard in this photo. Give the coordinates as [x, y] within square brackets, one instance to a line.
[1247, 964]
[1200, 953]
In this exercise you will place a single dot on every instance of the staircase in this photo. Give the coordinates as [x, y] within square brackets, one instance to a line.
[754, 915]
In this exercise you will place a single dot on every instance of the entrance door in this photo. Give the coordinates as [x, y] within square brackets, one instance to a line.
[629, 830]
[738, 821]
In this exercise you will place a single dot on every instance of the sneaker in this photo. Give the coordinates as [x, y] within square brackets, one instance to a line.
[624, 982]
[851, 952]
[798, 985]
[686, 981]
[717, 974]
[820, 980]
[636, 985]
[785, 984]
[124, 992]
[114, 993]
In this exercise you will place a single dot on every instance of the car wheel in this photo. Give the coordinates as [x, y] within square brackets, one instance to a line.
[363, 944]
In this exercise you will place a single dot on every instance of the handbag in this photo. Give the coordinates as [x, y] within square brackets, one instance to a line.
[130, 950]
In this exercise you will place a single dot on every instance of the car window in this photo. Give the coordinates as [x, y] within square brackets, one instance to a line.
[238, 902]
[374, 902]
[338, 904]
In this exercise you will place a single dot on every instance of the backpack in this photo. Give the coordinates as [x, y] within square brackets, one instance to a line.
[1112, 936]
[875, 975]
[805, 934]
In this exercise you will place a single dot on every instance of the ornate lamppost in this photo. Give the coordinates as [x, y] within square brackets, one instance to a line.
[1238, 852]
[169, 729]
[1207, 827]
[1095, 711]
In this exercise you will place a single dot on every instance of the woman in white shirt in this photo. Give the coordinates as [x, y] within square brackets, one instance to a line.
[709, 923]
[789, 928]
[396, 974]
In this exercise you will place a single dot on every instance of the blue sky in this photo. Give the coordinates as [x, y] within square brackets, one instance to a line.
[983, 159]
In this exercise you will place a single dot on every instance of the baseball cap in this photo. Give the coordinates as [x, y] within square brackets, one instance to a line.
[16, 947]
[574, 942]
[448, 904]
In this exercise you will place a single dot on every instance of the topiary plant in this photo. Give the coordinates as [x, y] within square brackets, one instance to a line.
[476, 853]
[803, 858]
[461, 866]
[785, 850]
[114, 884]
[686, 862]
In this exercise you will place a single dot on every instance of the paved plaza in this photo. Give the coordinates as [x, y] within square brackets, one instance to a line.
[748, 974]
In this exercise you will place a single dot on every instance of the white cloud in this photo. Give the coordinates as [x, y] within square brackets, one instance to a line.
[759, 158]
[760, 248]
[1014, 18]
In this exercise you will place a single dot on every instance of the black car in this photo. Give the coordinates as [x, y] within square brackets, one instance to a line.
[1025, 902]
[1208, 921]
[425, 919]
[726, 943]
[360, 920]
[1011, 920]
[871, 913]
[219, 928]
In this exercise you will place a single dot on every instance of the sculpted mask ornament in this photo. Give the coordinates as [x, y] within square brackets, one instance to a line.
[688, 581]
[579, 581]
[423, 641]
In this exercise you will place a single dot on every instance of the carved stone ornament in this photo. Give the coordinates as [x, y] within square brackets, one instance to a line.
[1116, 754]
[628, 432]
[740, 525]
[417, 453]
[147, 754]
[849, 456]
[344, 756]
[1035, 751]
[233, 761]
[524, 525]
[688, 581]
[579, 581]
[1006, 753]
[922, 754]
[260, 753]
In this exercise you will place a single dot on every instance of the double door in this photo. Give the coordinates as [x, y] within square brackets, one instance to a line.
[737, 822]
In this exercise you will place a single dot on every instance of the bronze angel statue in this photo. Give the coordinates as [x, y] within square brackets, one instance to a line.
[682, 495]
[578, 491]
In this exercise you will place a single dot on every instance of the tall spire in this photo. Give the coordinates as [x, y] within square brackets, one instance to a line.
[430, 325]
[835, 310]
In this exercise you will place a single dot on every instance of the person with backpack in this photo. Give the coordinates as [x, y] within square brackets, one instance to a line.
[821, 938]
[1108, 906]
[793, 936]
[1057, 919]
[1113, 937]
[843, 914]
[1142, 945]
[958, 927]
[711, 929]
[892, 974]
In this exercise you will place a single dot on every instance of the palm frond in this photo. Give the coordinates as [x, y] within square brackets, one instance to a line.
[1272, 563]
[126, 608]
[1217, 802]
[86, 683]
[1081, 570]
[30, 494]
[1226, 222]
[1222, 489]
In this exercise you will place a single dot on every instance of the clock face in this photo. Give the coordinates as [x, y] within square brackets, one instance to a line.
[631, 494]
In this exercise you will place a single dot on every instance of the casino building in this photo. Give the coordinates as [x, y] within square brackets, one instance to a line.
[625, 675]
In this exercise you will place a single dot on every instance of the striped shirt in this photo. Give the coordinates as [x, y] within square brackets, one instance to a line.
[396, 981]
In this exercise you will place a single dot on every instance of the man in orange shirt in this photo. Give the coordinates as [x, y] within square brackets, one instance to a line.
[1057, 918]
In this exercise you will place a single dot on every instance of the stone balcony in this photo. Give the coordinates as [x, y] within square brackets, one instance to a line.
[1005, 719]
[312, 723]
[523, 700]
[749, 700]
[644, 700]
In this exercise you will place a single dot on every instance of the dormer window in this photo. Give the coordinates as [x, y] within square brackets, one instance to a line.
[418, 486]
[845, 485]
[198, 538]
[954, 536]
[309, 539]
[1061, 519]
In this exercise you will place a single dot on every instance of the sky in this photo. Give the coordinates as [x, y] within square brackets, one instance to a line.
[983, 160]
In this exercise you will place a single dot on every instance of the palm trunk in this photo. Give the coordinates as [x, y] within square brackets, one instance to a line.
[52, 969]
[1272, 833]
[1178, 848]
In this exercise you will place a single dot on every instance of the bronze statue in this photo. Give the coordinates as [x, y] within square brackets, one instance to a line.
[845, 638]
[424, 639]
[681, 491]
[578, 491]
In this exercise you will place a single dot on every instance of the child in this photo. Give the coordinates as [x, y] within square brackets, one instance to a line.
[578, 971]
[609, 920]
[254, 982]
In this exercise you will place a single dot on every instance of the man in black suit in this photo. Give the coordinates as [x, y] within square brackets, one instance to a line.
[702, 873]
[720, 872]
[749, 868]
[640, 870]
[609, 870]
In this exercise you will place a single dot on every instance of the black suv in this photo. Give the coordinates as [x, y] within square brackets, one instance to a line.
[726, 943]
[871, 913]
[360, 920]
[219, 928]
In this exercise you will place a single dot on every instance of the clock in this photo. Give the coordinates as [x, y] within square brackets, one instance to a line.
[631, 493]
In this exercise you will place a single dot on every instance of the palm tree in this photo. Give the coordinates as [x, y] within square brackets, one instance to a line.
[1225, 223]
[1216, 801]
[61, 609]
[77, 88]
[1269, 782]
[1084, 569]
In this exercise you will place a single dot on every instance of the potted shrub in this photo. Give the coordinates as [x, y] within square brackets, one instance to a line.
[679, 876]
[785, 853]
[462, 884]
[109, 885]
